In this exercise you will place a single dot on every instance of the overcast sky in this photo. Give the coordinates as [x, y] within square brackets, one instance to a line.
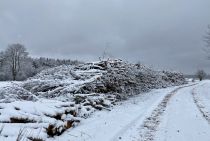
[159, 33]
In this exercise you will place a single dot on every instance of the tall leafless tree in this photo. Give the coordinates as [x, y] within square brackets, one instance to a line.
[207, 40]
[208, 36]
[15, 56]
[1, 59]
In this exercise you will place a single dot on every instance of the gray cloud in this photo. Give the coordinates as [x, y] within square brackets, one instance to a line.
[161, 33]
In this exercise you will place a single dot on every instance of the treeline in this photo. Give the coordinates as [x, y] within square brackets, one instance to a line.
[16, 64]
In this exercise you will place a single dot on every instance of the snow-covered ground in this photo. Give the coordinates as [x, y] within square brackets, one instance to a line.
[123, 120]
[182, 120]
[162, 115]
[167, 114]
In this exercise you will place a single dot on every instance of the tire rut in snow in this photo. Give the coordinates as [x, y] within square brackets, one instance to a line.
[151, 123]
[201, 106]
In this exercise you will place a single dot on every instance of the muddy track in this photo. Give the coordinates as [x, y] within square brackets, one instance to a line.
[151, 123]
[201, 106]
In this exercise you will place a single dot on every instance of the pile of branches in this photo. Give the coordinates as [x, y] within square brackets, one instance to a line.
[104, 77]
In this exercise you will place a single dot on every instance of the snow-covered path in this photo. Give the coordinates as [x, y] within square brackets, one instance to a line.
[182, 120]
[124, 119]
[161, 115]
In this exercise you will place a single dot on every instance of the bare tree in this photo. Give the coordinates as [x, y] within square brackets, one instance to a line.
[207, 40]
[1, 59]
[207, 37]
[201, 74]
[15, 56]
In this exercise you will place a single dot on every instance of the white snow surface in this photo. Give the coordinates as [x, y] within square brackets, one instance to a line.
[184, 117]
[181, 119]
[110, 126]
